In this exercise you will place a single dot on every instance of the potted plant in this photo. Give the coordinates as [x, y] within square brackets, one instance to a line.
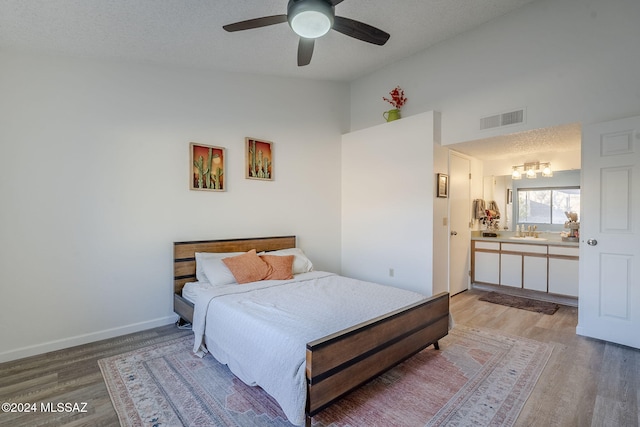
[397, 100]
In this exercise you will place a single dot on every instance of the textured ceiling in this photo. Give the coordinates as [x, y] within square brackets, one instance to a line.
[518, 145]
[189, 32]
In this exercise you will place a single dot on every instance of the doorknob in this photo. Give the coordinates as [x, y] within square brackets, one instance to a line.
[592, 242]
[454, 233]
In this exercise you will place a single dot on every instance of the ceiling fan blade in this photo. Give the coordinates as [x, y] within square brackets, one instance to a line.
[336, 2]
[256, 23]
[360, 30]
[305, 51]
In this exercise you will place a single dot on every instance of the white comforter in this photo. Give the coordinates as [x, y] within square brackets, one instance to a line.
[260, 329]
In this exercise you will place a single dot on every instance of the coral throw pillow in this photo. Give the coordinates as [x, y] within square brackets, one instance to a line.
[282, 266]
[247, 267]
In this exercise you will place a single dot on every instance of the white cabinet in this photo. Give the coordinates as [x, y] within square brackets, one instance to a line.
[535, 273]
[563, 270]
[521, 267]
[511, 270]
[486, 265]
[541, 268]
[524, 271]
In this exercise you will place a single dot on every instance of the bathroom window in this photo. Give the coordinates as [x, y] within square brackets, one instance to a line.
[547, 205]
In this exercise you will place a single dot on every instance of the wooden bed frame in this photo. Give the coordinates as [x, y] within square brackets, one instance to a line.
[345, 360]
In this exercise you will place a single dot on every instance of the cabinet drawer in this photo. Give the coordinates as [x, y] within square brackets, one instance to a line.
[518, 247]
[564, 250]
[494, 246]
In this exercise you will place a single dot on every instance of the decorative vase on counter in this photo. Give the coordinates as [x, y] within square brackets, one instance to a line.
[391, 115]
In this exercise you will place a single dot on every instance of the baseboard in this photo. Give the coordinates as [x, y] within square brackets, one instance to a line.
[60, 344]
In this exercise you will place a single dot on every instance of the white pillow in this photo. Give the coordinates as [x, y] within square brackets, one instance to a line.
[202, 256]
[301, 264]
[216, 272]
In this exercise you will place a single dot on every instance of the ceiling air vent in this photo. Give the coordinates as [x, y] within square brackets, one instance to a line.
[504, 119]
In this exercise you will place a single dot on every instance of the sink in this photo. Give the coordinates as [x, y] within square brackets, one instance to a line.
[538, 239]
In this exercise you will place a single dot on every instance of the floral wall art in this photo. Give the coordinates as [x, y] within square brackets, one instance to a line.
[207, 167]
[259, 159]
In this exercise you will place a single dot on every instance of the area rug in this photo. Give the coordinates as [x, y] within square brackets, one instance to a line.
[521, 303]
[478, 377]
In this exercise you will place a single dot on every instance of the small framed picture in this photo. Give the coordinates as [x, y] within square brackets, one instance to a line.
[259, 159]
[207, 167]
[443, 185]
[509, 196]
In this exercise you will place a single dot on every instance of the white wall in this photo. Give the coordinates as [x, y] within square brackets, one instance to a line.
[387, 203]
[565, 61]
[94, 186]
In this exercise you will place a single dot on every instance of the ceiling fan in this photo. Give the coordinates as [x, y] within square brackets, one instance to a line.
[311, 19]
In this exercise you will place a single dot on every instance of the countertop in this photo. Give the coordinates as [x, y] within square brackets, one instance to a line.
[508, 237]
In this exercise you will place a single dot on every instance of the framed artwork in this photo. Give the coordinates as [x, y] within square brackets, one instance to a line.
[258, 159]
[443, 185]
[207, 167]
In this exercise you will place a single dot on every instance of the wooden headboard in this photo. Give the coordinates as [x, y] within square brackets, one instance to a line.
[184, 258]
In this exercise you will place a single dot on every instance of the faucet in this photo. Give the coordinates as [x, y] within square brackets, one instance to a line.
[529, 231]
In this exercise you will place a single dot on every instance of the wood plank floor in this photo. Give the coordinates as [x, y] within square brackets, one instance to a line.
[585, 383]
[71, 375]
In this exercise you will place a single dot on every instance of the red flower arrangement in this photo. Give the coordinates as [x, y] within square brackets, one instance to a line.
[397, 98]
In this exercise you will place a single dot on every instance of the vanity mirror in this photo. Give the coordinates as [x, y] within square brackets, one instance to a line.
[542, 203]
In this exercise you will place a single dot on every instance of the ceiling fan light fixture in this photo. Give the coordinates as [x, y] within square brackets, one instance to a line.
[310, 18]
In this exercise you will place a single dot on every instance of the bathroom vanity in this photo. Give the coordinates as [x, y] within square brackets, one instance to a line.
[543, 266]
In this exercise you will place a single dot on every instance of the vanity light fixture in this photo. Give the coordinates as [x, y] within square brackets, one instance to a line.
[311, 19]
[531, 169]
[516, 173]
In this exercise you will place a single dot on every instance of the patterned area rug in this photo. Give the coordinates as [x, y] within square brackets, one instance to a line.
[478, 377]
[521, 303]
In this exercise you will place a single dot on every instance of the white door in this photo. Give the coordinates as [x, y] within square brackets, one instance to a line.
[609, 294]
[459, 217]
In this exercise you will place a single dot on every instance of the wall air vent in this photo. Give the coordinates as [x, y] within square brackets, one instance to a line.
[504, 119]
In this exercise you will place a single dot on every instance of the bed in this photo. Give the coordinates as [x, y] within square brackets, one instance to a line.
[335, 362]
